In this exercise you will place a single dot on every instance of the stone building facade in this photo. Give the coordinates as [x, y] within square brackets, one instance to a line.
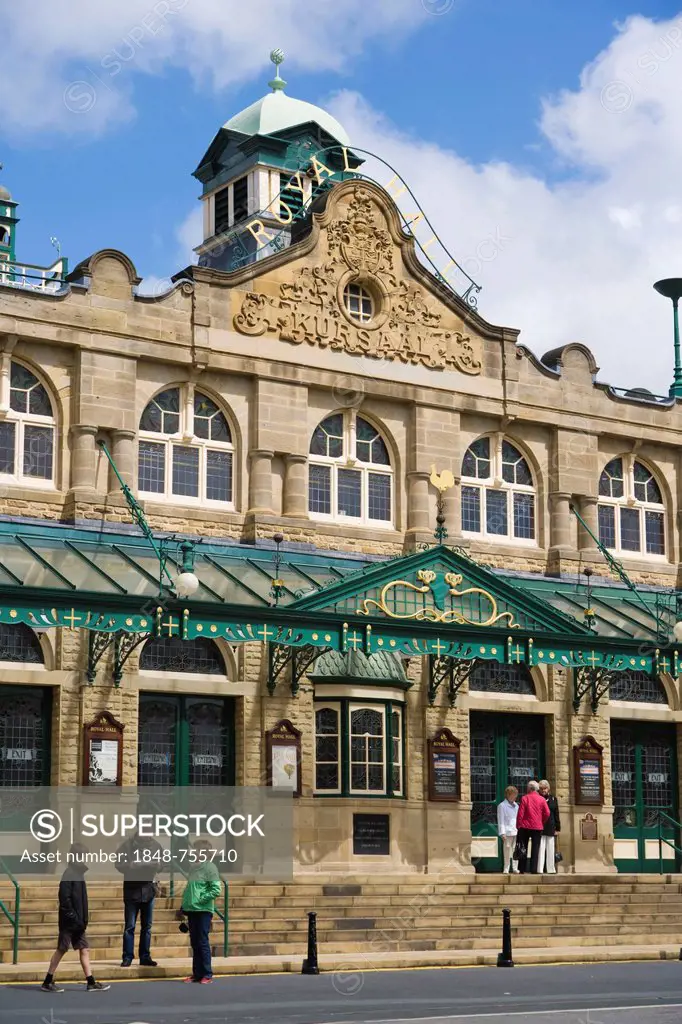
[321, 393]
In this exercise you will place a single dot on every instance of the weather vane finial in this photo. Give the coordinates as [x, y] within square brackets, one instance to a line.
[277, 56]
[442, 481]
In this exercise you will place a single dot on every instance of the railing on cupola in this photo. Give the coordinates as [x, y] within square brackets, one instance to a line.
[35, 278]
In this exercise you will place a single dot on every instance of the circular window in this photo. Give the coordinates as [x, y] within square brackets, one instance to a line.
[359, 303]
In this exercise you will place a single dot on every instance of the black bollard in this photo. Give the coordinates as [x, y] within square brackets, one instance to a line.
[504, 959]
[310, 963]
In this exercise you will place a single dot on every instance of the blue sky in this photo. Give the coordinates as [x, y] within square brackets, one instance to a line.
[469, 82]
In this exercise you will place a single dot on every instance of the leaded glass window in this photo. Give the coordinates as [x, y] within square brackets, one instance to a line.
[172, 654]
[359, 748]
[350, 475]
[27, 430]
[637, 686]
[498, 494]
[20, 643]
[491, 677]
[185, 448]
[631, 511]
[24, 739]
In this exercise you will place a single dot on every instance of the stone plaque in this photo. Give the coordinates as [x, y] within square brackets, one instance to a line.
[444, 766]
[103, 752]
[371, 834]
[283, 753]
[588, 772]
[588, 828]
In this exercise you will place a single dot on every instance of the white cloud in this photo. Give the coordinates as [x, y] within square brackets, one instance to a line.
[72, 67]
[574, 260]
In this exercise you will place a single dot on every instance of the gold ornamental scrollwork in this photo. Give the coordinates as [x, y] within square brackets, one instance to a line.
[443, 590]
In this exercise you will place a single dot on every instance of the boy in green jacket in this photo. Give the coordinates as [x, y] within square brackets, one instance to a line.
[198, 904]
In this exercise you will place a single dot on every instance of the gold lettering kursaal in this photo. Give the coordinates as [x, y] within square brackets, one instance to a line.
[310, 309]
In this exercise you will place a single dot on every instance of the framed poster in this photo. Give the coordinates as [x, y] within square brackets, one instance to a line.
[103, 751]
[444, 766]
[588, 772]
[588, 828]
[283, 753]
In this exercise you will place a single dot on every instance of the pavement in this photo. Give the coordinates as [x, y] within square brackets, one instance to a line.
[614, 993]
[331, 963]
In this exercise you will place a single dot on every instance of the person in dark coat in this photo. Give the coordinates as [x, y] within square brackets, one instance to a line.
[552, 829]
[73, 921]
[139, 892]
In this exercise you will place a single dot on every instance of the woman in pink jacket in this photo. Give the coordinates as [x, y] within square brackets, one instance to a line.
[530, 822]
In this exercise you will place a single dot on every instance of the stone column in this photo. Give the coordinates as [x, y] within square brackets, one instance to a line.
[295, 485]
[453, 512]
[83, 457]
[417, 503]
[260, 482]
[588, 511]
[559, 520]
[123, 454]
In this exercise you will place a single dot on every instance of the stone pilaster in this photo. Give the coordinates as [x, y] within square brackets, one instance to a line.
[260, 481]
[588, 511]
[123, 454]
[295, 502]
[417, 507]
[83, 457]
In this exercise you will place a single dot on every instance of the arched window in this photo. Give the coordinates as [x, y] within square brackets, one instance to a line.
[350, 475]
[498, 497]
[4, 235]
[185, 448]
[20, 643]
[172, 654]
[27, 431]
[631, 510]
[491, 677]
[637, 686]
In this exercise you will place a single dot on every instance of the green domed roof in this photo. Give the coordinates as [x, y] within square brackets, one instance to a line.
[4, 193]
[380, 667]
[276, 111]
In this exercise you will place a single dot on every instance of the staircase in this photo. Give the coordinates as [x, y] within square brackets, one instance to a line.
[366, 916]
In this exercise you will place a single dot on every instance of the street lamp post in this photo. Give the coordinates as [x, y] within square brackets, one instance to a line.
[671, 287]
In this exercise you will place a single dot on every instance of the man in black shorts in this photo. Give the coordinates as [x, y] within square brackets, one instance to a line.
[73, 922]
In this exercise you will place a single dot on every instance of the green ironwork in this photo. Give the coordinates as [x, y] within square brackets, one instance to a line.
[452, 671]
[297, 660]
[15, 917]
[139, 518]
[677, 825]
[592, 681]
[671, 288]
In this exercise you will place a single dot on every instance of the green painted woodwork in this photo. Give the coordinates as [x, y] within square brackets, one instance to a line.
[8, 227]
[170, 728]
[645, 783]
[107, 581]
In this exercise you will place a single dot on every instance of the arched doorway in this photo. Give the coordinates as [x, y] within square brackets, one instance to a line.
[506, 750]
[185, 739]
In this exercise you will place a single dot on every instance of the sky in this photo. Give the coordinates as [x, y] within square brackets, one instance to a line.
[543, 140]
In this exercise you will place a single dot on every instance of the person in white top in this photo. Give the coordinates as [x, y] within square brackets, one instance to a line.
[506, 827]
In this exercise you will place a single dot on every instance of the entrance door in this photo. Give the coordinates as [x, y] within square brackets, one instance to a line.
[185, 741]
[25, 713]
[644, 780]
[506, 750]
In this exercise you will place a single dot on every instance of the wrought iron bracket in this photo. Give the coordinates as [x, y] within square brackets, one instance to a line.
[124, 645]
[454, 671]
[593, 681]
[98, 645]
[299, 659]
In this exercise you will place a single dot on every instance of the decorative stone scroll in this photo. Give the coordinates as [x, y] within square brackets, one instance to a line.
[311, 308]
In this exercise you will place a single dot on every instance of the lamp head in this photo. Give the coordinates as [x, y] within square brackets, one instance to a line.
[186, 584]
[677, 632]
[670, 287]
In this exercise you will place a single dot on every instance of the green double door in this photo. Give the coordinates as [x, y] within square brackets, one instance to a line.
[506, 750]
[185, 741]
[645, 784]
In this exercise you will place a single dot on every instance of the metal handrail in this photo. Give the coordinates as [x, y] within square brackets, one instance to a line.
[662, 839]
[13, 919]
[224, 915]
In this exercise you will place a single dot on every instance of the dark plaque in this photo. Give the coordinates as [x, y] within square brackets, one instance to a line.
[588, 828]
[283, 752]
[444, 766]
[371, 834]
[103, 751]
[588, 771]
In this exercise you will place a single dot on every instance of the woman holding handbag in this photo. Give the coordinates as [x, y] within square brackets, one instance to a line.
[551, 830]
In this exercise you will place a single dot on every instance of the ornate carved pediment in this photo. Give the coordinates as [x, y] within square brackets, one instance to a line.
[311, 308]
